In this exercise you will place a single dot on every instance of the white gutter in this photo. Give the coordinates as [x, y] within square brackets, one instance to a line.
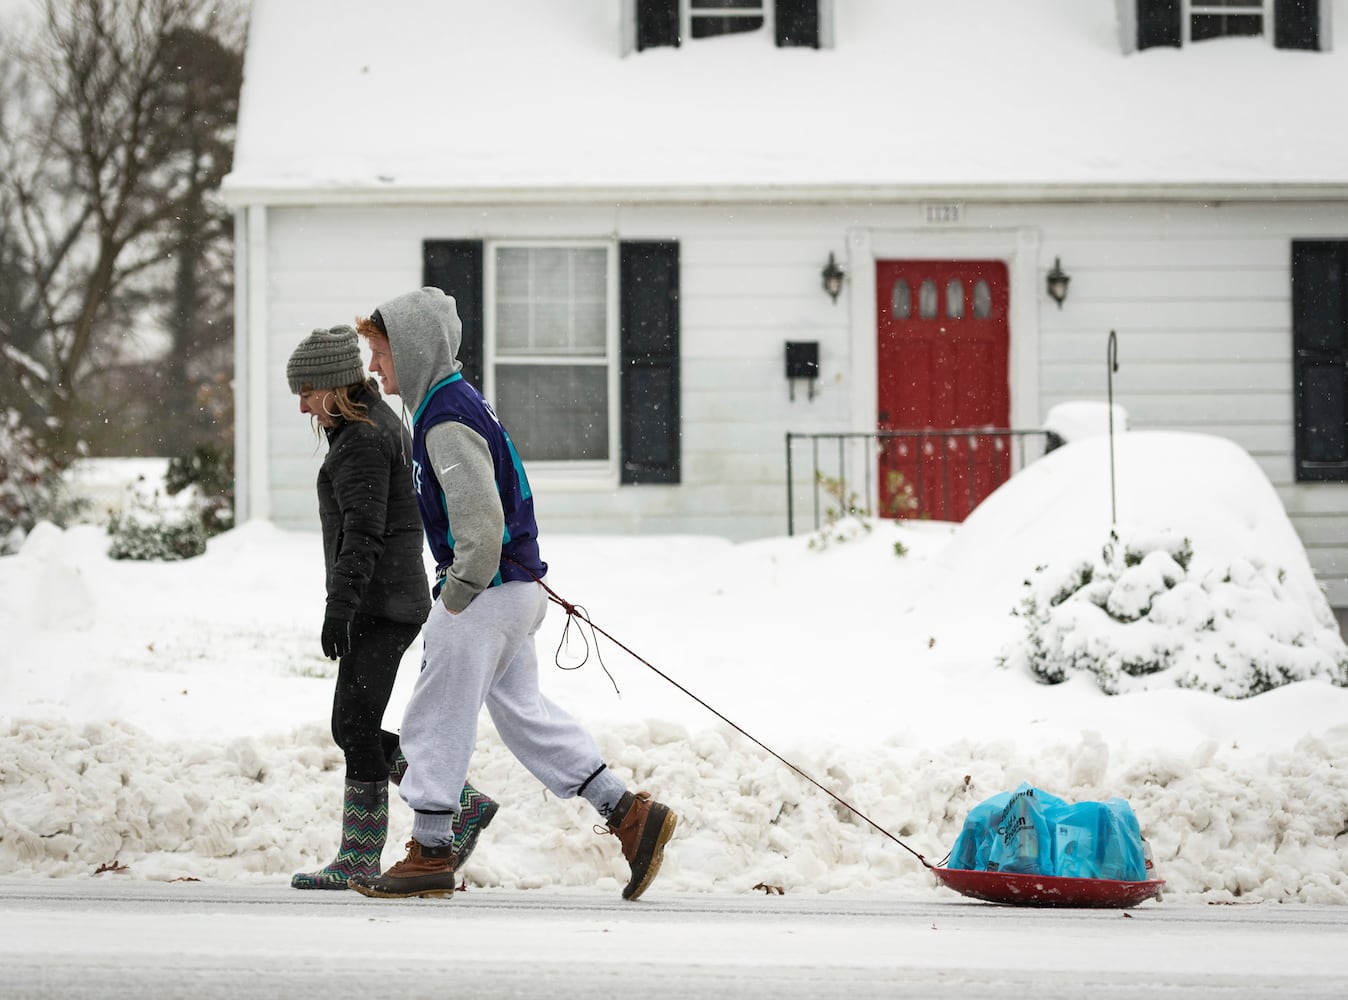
[255, 437]
[767, 194]
[241, 384]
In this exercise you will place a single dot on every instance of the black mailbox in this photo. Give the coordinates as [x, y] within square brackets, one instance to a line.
[802, 361]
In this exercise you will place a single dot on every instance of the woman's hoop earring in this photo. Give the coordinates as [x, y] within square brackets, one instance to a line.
[324, 404]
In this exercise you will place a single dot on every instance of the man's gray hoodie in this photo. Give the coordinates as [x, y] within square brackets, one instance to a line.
[424, 334]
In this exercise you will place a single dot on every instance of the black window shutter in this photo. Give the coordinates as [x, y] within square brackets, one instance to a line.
[657, 23]
[455, 267]
[648, 308]
[1158, 23]
[797, 23]
[1320, 358]
[1296, 24]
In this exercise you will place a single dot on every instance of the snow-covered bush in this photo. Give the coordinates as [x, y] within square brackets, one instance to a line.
[1151, 612]
[148, 528]
[31, 489]
[852, 519]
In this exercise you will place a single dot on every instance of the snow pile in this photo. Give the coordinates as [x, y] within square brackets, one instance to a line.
[171, 718]
[1082, 418]
[1201, 583]
[1221, 825]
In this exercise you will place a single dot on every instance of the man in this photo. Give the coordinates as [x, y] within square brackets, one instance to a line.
[478, 512]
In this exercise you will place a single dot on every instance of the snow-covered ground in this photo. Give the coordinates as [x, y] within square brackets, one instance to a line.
[172, 717]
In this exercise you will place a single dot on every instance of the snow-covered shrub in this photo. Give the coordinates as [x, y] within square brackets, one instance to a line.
[31, 489]
[148, 528]
[1149, 612]
[852, 519]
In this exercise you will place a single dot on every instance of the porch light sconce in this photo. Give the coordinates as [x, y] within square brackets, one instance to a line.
[833, 276]
[1057, 281]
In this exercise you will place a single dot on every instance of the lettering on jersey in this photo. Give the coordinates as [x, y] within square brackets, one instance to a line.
[492, 412]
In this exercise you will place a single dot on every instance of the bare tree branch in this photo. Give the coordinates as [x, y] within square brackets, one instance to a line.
[117, 124]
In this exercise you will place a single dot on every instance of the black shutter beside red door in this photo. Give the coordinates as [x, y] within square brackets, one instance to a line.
[648, 311]
[1320, 358]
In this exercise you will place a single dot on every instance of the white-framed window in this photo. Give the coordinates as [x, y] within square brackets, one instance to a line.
[647, 24]
[551, 351]
[709, 18]
[1206, 19]
[1285, 24]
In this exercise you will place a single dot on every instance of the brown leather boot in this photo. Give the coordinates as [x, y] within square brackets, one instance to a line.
[643, 827]
[426, 871]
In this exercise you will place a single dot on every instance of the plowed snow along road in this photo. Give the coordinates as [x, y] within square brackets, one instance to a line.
[115, 937]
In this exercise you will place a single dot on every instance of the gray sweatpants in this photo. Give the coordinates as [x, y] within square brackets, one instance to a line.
[485, 655]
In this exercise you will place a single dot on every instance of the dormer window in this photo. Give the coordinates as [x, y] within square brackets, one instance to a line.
[1216, 18]
[788, 23]
[1288, 24]
[705, 18]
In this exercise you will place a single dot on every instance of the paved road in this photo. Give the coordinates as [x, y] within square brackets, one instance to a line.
[115, 937]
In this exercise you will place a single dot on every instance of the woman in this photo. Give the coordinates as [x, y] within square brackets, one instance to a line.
[377, 595]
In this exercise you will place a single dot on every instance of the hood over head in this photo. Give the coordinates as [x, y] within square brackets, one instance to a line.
[424, 333]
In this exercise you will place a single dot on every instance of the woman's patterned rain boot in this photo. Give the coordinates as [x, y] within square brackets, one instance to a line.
[364, 830]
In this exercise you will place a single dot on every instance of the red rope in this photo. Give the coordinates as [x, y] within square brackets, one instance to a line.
[575, 611]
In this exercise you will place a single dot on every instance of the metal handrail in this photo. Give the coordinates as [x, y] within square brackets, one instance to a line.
[880, 439]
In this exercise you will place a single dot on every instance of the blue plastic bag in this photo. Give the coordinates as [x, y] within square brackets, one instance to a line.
[1032, 831]
[1008, 832]
[975, 840]
[1023, 838]
[1099, 840]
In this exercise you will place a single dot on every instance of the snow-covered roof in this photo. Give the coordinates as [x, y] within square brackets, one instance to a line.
[467, 99]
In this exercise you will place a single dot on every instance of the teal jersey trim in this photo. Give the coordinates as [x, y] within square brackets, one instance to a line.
[431, 392]
[463, 404]
[449, 530]
[525, 490]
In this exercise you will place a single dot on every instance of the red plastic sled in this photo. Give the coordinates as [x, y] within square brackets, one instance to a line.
[1018, 889]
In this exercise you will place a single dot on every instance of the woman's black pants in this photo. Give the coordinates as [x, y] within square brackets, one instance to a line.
[365, 678]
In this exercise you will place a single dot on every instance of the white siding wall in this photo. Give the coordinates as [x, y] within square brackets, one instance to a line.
[1199, 296]
[1201, 299]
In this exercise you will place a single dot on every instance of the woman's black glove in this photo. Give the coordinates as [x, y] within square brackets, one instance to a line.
[336, 637]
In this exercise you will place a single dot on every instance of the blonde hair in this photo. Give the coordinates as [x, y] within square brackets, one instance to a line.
[348, 408]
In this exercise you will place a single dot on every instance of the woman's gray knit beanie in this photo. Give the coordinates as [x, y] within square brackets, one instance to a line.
[326, 359]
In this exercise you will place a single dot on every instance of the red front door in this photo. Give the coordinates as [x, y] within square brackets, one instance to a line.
[943, 364]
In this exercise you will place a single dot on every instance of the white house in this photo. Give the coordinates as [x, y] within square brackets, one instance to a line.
[633, 202]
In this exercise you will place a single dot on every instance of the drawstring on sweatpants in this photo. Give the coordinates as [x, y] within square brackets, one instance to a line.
[579, 614]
